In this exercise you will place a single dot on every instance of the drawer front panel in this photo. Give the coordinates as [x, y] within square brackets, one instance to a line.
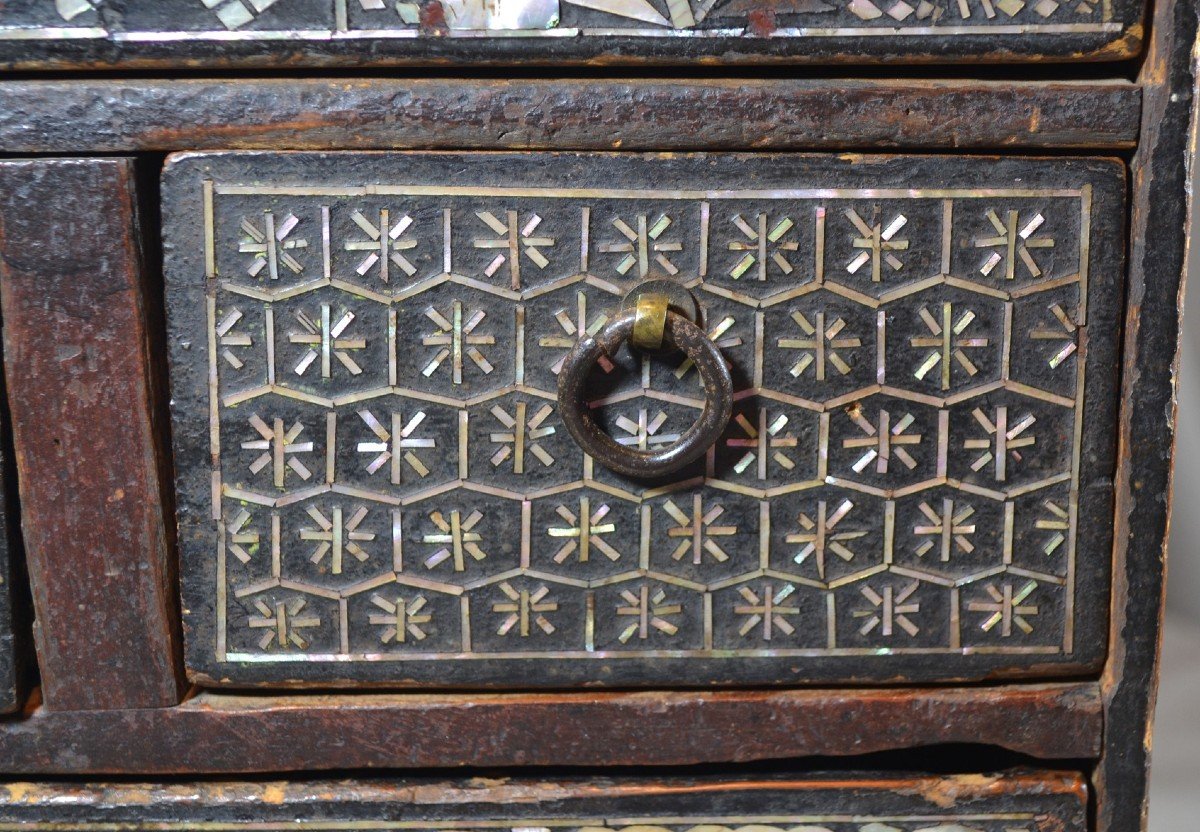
[376, 486]
[1032, 802]
[358, 32]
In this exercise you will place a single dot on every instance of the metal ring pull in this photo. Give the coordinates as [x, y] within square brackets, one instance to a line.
[650, 325]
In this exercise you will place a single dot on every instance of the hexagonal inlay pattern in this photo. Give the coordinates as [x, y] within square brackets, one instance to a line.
[376, 484]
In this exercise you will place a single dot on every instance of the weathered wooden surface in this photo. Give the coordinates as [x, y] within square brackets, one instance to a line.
[221, 33]
[568, 114]
[228, 734]
[1160, 238]
[79, 389]
[308, 560]
[1026, 801]
[11, 646]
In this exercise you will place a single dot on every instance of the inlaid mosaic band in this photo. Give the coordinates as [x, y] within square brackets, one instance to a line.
[982, 822]
[135, 22]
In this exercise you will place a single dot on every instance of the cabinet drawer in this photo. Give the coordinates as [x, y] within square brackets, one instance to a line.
[1024, 802]
[377, 482]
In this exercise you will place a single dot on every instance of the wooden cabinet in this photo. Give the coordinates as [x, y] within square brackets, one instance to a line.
[332, 456]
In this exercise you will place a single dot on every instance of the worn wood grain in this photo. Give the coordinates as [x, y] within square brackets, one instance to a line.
[228, 734]
[12, 647]
[78, 372]
[735, 114]
[1159, 242]
[1044, 801]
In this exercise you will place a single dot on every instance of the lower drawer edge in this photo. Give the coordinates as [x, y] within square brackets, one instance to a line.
[1023, 801]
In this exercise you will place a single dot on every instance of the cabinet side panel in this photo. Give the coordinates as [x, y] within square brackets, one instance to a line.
[77, 363]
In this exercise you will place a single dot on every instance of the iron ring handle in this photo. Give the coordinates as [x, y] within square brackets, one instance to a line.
[678, 333]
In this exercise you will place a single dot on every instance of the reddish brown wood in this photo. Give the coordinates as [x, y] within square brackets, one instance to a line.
[1046, 801]
[226, 734]
[78, 369]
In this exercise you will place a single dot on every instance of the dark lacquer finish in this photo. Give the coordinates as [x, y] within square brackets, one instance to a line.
[302, 113]
[373, 371]
[1016, 802]
[492, 270]
[218, 33]
[1162, 225]
[12, 658]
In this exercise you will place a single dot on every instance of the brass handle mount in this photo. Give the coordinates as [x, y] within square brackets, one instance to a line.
[651, 325]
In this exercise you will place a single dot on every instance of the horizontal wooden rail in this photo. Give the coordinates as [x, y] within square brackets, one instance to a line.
[1048, 801]
[328, 114]
[226, 734]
